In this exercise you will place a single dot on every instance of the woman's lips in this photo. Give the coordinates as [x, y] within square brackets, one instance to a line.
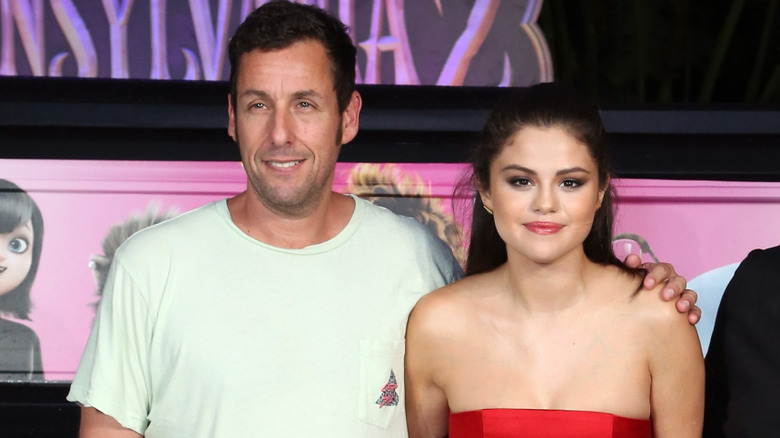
[543, 227]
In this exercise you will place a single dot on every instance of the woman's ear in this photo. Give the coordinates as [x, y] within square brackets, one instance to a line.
[603, 191]
[484, 196]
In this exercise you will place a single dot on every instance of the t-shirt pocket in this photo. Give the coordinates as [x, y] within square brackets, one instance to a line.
[381, 397]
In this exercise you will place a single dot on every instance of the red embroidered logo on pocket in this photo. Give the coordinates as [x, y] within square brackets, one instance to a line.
[389, 397]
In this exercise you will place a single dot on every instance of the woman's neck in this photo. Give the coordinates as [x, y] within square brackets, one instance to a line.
[549, 287]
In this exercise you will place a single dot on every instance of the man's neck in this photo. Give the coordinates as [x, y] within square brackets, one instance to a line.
[324, 222]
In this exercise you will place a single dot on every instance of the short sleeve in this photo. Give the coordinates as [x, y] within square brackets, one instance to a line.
[113, 375]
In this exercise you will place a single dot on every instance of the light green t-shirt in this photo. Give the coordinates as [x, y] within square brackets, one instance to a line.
[205, 332]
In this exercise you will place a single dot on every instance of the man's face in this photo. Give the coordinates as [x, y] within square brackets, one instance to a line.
[288, 126]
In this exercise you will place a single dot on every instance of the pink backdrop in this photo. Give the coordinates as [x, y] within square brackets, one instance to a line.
[699, 227]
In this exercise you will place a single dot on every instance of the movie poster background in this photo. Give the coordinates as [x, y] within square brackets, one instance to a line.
[702, 227]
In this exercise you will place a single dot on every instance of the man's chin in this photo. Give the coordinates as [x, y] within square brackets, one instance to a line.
[289, 204]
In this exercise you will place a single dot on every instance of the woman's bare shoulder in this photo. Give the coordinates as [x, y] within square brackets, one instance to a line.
[623, 292]
[453, 303]
[652, 311]
[450, 297]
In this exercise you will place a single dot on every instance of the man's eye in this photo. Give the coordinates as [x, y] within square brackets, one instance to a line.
[259, 105]
[18, 245]
[305, 105]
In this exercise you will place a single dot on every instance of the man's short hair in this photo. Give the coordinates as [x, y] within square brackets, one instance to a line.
[280, 24]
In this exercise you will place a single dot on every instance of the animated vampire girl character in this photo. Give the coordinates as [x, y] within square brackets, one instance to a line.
[21, 239]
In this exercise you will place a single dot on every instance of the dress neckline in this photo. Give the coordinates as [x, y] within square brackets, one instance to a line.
[546, 412]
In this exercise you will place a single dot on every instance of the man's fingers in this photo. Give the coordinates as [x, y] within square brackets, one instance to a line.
[676, 286]
[687, 303]
[633, 261]
[661, 272]
[694, 316]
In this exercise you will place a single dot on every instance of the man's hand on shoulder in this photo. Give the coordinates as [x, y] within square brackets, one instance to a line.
[675, 285]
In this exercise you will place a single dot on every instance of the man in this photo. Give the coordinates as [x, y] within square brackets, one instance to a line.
[743, 360]
[247, 317]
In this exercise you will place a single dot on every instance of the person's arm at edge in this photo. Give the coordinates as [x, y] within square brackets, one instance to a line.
[716, 393]
[677, 378]
[95, 424]
[427, 411]
[675, 286]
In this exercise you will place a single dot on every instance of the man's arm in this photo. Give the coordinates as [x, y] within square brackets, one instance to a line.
[742, 361]
[116, 356]
[675, 285]
[717, 391]
[95, 424]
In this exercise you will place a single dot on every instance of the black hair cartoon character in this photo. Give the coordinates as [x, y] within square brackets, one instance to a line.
[21, 239]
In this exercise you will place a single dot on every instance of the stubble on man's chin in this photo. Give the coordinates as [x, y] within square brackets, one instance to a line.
[296, 207]
[287, 208]
[296, 202]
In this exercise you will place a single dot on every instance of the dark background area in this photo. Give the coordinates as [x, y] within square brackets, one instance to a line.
[109, 119]
[666, 51]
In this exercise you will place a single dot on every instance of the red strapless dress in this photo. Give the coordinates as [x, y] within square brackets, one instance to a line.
[540, 423]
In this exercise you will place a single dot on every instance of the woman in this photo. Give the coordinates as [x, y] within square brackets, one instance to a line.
[547, 336]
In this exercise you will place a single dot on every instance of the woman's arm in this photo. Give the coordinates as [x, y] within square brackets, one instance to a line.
[677, 372]
[427, 412]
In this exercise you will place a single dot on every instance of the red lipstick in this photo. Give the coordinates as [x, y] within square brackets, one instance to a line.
[543, 227]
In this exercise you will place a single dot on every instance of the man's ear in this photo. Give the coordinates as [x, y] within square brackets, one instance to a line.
[350, 119]
[231, 119]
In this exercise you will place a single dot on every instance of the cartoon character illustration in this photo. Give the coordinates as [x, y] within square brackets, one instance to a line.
[117, 234]
[386, 186]
[21, 240]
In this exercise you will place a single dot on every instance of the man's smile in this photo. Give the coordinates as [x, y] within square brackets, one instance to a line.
[283, 164]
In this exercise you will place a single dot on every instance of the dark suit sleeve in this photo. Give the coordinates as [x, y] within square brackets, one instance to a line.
[743, 360]
[717, 379]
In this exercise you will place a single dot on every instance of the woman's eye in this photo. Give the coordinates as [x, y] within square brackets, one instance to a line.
[18, 245]
[571, 183]
[520, 181]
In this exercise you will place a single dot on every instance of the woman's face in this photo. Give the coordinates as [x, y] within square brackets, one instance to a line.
[15, 257]
[544, 193]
